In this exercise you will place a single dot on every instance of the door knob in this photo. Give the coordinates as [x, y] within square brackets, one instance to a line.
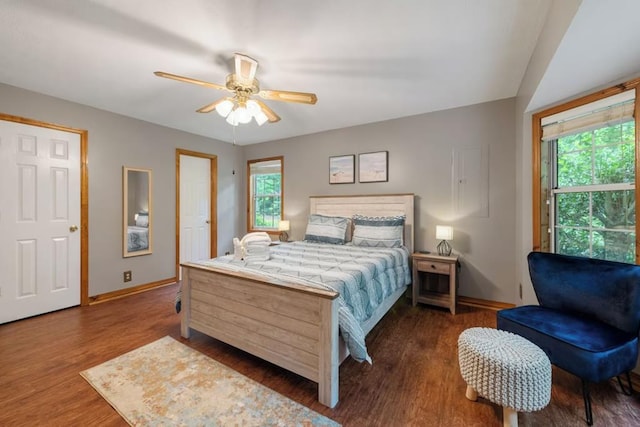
[73, 228]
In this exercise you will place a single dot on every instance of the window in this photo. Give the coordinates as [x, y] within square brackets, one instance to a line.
[593, 198]
[265, 183]
[585, 177]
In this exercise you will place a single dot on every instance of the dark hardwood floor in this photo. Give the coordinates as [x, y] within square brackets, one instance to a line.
[414, 379]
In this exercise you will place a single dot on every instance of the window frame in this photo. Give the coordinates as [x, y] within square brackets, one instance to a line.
[540, 208]
[250, 206]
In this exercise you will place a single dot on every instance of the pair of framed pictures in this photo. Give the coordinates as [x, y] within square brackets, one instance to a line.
[372, 167]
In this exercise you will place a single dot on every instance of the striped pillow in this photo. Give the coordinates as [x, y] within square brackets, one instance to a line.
[326, 229]
[382, 232]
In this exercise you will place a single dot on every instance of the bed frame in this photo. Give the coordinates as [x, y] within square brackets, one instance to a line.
[290, 325]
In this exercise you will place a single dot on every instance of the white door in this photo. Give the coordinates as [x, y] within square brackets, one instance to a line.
[195, 207]
[39, 220]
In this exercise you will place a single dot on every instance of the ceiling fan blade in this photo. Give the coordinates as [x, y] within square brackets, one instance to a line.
[287, 96]
[246, 68]
[210, 107]
[189, 80]
[271, 115]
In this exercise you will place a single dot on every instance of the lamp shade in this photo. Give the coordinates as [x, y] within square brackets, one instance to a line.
[232, 119]
[444, 232]
[283, 225]
[243, 115]
[225, 107]
[261, 118]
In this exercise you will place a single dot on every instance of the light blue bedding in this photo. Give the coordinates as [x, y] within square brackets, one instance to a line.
[363, 277]
[137, 238]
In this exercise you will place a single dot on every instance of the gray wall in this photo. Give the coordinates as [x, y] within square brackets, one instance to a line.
[115, 141]
[420, 161]
[558, 20]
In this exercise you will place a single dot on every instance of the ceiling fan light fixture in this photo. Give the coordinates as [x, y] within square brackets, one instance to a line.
[242, 115]
[261, 118]
[232, 119]
[253, 106]
[225, 107]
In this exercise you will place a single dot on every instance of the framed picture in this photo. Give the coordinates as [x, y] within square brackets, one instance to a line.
[373, 167]
[342, 169]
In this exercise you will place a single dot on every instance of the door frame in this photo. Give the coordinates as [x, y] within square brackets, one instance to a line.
[84, 195]
[213, 205]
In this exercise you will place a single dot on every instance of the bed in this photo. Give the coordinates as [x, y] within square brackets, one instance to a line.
[286, 322]
[138, 233]
[137, 238]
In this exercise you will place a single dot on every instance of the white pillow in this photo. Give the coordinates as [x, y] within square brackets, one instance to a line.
[142, 219]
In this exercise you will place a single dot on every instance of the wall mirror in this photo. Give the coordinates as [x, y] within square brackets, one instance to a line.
[137, 212]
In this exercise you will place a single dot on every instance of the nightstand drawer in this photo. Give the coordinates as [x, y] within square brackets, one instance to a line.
[434, 267]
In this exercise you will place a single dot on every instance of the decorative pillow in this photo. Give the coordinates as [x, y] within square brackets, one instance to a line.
[142, 219]
[384, 232]
[326, 229]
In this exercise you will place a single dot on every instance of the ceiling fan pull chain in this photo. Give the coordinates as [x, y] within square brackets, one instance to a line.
[234, 134]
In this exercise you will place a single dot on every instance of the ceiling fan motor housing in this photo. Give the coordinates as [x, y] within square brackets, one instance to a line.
[235, 85]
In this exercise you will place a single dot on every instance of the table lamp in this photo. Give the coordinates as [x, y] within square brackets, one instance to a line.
[283, 227]
[444, 233]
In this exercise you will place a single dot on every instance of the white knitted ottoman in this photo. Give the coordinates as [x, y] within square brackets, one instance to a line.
[506, 369]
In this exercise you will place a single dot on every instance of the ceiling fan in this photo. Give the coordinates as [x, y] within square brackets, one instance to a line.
[241, 107]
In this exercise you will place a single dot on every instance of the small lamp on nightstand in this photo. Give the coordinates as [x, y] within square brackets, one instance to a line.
[444, 233]
[283, 226]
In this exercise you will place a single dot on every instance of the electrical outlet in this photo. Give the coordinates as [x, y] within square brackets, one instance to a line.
[127, 276]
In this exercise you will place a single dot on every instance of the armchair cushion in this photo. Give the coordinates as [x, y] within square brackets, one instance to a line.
[588, 348]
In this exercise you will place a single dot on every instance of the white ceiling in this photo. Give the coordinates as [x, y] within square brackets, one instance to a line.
[600, 47]
[366, 60]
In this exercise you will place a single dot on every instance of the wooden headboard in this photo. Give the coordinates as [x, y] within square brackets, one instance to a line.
[373, 205]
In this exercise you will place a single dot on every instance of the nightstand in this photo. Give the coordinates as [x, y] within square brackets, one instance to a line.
[435, 280]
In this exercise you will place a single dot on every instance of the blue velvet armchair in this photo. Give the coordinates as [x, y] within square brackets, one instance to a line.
[588, 318]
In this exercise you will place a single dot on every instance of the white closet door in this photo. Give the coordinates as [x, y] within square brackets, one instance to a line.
[195, 207]
[39, 220]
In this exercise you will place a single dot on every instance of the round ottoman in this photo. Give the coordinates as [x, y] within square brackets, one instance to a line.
[505, 369]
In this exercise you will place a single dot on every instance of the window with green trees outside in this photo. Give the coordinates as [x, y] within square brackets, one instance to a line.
[593, 193]
[266, 199]
[265, 194]
[585, 175]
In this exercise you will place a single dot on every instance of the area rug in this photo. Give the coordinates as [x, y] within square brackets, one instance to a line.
[166, 383]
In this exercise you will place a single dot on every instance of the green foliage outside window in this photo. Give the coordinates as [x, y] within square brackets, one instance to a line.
[598, 222]
[266, 200]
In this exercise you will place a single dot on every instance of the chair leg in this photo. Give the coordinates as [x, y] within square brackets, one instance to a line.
[628, 391]
[587, 401]
[471, 393]
[509, 417]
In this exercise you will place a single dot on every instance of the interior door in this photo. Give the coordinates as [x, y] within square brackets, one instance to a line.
[195, 208]
[39, 220]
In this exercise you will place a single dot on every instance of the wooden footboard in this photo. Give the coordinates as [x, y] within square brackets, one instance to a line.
[292, 326]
